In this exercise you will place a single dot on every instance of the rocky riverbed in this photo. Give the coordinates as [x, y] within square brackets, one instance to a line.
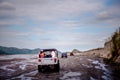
[24, 67]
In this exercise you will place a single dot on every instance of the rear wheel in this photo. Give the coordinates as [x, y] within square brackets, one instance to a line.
[39, 68]
[57, 67]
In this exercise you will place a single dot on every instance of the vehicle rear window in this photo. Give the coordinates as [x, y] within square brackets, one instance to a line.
[47, 54]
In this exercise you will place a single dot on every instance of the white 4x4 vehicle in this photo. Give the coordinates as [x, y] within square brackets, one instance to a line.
[48, 58]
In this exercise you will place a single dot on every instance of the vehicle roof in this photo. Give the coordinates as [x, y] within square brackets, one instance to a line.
[48, 49]
[64, 53]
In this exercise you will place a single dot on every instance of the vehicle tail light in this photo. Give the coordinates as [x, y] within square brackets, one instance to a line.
[39, 56]
[39, 60]
[55, 59]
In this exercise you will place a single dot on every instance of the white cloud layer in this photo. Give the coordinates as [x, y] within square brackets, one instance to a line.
[63, 24]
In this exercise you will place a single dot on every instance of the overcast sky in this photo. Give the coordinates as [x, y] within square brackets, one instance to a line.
[61, 24]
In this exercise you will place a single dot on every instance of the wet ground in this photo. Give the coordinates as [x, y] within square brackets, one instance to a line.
[24, 67]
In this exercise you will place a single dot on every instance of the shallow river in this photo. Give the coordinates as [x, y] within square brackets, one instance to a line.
[24, 67]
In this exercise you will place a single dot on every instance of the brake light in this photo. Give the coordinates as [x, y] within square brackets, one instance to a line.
[39, 60]
[39, 56]
[55, 59]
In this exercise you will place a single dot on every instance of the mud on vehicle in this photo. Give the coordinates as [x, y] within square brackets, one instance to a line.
[48, 58]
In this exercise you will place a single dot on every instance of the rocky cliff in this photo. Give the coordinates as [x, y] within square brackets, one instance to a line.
[94, 52]
[115, 47]
[110, 51]
[107, 49]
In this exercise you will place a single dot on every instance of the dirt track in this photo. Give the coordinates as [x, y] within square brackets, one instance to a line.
[24, 67]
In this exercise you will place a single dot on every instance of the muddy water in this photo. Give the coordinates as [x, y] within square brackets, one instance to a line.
[71, 68]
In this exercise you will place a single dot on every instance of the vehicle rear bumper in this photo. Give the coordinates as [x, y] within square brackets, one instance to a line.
[46, 64]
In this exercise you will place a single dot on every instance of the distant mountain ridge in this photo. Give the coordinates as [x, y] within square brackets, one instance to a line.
[14, 50]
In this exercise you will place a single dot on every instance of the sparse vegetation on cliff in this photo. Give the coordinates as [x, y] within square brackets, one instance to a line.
[115, 51]
[116, 44]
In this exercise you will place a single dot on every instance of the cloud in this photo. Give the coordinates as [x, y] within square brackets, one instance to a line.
[6, 6]
[56, 23]
[6, 10]
[52, 9]
[8, 23]
[105, 19]
[109, 14]
[113, 2]
[47, 10]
